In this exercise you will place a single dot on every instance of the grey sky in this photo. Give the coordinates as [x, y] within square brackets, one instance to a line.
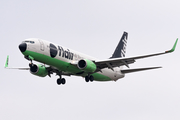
[93, 27]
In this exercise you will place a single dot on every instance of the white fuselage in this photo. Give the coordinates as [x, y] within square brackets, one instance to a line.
[64, 54]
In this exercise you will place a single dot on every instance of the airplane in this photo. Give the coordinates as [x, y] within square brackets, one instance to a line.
[63, 61]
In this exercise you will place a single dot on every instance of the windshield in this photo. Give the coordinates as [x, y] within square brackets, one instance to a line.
[29, 42]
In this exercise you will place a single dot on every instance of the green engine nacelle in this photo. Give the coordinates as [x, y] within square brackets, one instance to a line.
[87, 66]
[38, 70]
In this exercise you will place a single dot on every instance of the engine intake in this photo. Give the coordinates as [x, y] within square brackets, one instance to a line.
[38, 70]
[87, 65]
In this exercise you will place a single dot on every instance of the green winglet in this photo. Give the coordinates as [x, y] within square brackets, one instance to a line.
[172, 50]
[7, 60]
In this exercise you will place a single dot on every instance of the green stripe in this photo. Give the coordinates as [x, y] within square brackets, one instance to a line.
[62, 66]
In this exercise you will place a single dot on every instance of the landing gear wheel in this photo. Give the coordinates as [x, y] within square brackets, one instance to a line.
[87, 78]
[59, 81]
[31, 65]
[91, 78]
[63, 81]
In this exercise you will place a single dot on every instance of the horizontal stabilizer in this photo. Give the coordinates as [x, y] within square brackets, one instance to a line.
[138, 69]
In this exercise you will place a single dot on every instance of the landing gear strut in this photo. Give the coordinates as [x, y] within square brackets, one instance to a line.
[89, 78]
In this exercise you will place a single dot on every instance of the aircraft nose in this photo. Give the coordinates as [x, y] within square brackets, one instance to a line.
[23, 47]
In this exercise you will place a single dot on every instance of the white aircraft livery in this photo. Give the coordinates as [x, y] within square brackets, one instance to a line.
[63, 61]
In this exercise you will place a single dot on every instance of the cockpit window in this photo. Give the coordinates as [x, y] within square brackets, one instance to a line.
[29, 42]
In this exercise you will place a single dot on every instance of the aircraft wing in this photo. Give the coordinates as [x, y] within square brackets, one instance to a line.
[50, 69]
[116, 62]
[19, 68]
[7, 62]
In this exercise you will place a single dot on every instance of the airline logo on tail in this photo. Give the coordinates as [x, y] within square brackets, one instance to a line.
[123, 50]
[121, 47]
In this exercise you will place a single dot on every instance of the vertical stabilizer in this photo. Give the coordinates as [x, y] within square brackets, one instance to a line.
[121, 47]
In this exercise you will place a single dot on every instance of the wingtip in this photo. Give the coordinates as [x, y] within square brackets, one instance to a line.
[7, 60]
[174, 47]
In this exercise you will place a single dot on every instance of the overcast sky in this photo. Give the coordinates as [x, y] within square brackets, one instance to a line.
[93, 27]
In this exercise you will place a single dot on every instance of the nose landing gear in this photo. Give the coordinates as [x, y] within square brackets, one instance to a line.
[60, 80]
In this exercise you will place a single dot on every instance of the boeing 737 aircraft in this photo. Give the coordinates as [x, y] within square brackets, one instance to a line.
[63, 61]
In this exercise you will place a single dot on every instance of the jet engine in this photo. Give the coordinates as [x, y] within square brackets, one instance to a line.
[38, 70]
[87, 65]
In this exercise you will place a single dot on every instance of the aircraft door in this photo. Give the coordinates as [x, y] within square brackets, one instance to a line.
[41, 45]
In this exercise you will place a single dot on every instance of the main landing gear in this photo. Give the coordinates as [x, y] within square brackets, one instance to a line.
[60, 80]
[89, 78]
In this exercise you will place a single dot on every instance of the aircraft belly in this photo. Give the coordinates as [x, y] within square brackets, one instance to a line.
[107, 75]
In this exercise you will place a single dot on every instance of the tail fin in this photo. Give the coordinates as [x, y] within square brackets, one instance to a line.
[121, 47]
